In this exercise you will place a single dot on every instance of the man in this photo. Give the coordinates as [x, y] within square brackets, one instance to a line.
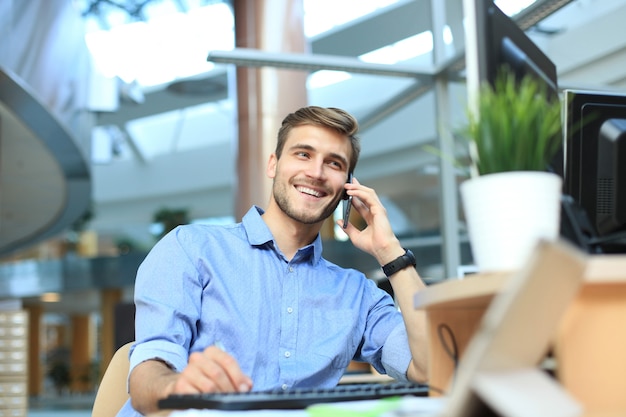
[255, 306]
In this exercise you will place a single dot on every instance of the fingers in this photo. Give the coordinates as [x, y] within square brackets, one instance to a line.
[212, 370]
[366, 201]
[377, 236]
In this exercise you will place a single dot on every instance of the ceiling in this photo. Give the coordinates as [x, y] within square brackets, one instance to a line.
[42, 176]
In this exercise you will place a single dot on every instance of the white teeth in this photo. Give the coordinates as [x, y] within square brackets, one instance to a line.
[309, 191]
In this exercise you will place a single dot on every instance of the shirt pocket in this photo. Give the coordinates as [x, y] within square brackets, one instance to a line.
[334, 337]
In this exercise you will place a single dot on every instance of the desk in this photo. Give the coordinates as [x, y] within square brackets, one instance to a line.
[459, 305]
[590, 344]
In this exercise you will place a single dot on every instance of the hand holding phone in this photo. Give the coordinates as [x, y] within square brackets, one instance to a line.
[347, 204]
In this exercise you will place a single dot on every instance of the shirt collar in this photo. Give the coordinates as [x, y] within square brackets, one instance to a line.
[259, 235]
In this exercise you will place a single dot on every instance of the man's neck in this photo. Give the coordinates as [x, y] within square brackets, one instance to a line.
[289, 234]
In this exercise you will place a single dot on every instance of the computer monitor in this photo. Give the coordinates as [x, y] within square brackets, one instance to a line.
[595, 163]
[493, 41]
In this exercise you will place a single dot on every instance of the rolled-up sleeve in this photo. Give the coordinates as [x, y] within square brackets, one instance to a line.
[396, 353]
[385, 341]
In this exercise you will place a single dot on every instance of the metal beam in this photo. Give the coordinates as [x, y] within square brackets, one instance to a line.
[314, 62]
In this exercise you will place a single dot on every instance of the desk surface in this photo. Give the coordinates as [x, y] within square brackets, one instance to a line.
[473, 291]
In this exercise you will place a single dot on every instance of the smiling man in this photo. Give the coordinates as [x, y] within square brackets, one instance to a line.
[255, 306]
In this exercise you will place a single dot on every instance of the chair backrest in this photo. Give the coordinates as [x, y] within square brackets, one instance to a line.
[112, 392]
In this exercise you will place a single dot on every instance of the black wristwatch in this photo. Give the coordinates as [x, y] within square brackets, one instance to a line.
[401, 262]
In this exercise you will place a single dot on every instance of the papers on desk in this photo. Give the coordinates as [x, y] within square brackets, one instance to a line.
[388, 407]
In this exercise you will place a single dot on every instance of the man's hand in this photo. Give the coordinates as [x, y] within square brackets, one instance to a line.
[211, 370]
[378, 238]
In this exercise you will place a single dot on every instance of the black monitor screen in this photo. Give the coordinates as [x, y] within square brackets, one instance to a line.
[595, 161]
[494, 41]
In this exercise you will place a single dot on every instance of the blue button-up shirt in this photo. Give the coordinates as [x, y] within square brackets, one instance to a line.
[289, 323]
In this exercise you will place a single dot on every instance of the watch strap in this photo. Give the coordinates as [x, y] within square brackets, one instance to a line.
[401, 262]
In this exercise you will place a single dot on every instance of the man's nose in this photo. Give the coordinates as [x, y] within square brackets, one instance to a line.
[316, 170]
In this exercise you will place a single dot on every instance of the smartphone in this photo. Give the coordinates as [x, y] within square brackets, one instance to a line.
[347, 204]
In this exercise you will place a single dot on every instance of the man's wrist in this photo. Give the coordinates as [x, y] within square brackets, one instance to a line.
[389, 253]
[405, 260]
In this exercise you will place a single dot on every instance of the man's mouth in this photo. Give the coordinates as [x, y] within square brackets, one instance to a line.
[310, 191]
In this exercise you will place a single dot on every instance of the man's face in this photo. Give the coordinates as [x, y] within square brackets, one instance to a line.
[310, 174]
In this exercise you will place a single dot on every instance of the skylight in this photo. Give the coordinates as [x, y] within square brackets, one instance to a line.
[513, 7]
[318, 20]
[165, 48]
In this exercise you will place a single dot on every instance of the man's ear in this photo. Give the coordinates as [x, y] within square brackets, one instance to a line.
[270, 171]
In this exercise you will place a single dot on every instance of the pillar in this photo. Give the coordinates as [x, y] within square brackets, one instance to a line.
[35, 368]
[109, 299]
[265, 95]
[80, 356]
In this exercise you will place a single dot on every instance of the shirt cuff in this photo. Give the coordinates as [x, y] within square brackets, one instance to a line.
[174, 356]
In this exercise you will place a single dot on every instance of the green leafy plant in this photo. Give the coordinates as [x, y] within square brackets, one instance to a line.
[515, 126]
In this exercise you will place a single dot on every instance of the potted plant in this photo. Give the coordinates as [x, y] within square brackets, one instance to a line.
[511, 200]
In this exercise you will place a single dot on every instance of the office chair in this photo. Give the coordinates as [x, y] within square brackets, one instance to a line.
[112, 393]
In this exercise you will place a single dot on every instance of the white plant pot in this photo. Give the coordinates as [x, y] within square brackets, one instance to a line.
[507, 213]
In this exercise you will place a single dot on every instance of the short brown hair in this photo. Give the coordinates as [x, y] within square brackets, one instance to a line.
[330, 117]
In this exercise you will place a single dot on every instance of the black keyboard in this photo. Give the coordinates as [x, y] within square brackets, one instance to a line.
[292, 399]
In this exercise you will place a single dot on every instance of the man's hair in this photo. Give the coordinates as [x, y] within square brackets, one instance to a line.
[333, 118]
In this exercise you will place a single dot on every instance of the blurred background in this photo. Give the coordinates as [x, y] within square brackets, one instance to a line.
[121, 119]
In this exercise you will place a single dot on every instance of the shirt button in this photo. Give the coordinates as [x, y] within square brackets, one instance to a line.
[284, 387]
[287, 354]
[289, 310]
[291, 269]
